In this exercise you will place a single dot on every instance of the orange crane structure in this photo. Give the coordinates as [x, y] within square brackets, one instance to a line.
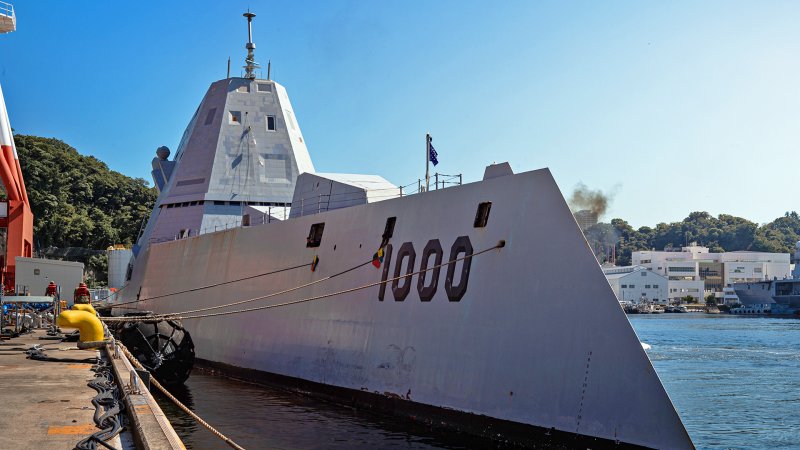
[16, 218]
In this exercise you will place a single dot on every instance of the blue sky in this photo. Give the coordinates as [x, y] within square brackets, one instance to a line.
[672, 106]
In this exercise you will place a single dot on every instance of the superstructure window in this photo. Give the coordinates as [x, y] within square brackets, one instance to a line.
[482, 215]
[388, 230]
[264, 87]
[270, 123]
[314, 238]
[235, 117]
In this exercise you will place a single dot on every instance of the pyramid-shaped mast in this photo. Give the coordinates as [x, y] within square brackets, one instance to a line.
[243, 148]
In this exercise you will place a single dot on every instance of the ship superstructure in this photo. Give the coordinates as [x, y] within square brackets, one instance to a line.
[243, 147]
[456, 306]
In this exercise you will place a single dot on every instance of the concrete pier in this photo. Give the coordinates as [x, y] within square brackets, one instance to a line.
[47, 404]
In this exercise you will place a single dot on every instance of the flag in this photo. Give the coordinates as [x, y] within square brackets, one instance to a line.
[314, 263]
[432, 155]
[377, 258]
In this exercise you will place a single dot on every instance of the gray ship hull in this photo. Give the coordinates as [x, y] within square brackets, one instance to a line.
[782, 295]
[536, 338]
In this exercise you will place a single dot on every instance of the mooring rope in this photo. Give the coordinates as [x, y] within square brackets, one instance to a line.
[177, 402]
[311, 283]
[178, 316]
[285, 269]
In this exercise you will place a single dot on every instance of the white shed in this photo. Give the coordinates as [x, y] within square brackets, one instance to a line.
[36, 274]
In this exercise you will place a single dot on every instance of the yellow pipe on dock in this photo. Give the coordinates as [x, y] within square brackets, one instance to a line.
[84, 307]
[88, 324]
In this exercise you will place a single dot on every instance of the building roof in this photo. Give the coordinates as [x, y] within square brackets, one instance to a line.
[367, 182]
[633, 270]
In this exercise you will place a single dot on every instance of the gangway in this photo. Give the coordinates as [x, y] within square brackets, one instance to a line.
[8, 21]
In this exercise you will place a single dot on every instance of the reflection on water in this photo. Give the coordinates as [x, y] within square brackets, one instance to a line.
[734, 380]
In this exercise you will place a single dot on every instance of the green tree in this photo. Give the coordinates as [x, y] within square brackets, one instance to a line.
[77, 201]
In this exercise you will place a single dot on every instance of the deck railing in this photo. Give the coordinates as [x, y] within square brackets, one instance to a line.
[7, 9]
[314, 204]
[8, 22]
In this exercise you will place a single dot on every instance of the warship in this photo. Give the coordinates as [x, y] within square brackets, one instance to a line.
[478, 306]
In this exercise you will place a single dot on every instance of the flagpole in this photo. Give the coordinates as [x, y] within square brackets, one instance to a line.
[427, 162]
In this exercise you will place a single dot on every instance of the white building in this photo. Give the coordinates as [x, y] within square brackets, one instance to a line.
[635, 284]
[695, 271]
[34, 274]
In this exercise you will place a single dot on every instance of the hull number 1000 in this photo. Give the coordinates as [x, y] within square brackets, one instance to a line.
[427, 280]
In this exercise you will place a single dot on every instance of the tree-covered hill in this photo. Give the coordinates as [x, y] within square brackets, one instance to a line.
[723, 233]
[77, 201]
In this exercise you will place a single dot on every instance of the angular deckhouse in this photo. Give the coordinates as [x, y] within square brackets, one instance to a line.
[242, 147]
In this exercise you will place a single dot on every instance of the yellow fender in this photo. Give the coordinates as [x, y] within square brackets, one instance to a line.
[87, 323]
[84, 307]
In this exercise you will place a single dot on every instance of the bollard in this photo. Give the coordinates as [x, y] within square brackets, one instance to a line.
[134, 383]
[144, 376]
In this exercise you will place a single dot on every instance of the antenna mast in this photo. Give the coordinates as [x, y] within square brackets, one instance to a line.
[250, 62]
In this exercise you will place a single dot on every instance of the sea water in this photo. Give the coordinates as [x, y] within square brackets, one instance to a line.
[734, 380]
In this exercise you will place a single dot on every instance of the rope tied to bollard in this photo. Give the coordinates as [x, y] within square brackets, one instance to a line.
[177, 402]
